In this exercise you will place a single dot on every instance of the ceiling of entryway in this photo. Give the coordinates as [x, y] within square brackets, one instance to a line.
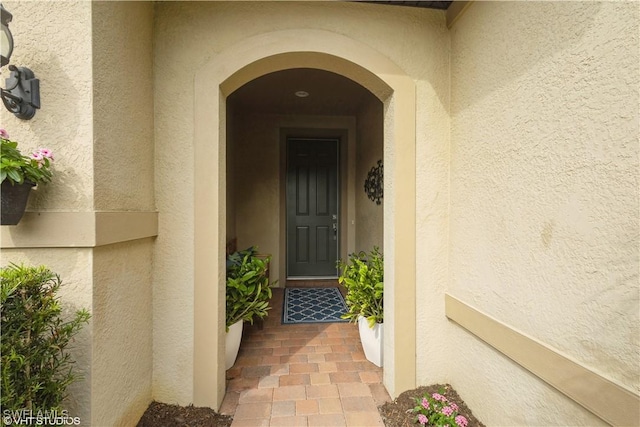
[329, 93]
[274, 93]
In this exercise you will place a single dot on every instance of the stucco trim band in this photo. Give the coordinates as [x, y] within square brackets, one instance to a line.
[78, 229]
[609, 401]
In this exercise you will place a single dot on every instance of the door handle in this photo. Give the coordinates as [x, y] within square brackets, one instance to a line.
[335, 227]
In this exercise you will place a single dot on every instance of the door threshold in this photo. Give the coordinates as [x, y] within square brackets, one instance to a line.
[312, 278]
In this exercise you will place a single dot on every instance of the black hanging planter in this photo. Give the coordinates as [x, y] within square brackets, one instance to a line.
[14, 199]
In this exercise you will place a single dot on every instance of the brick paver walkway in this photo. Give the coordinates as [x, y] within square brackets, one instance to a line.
[303, 375]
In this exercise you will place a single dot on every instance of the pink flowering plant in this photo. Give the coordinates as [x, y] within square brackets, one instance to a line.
[437, 410]
[17, 168]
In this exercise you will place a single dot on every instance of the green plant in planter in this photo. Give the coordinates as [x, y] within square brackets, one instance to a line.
[363, 277]
[248, 290]
[17, 168]
[36, 369]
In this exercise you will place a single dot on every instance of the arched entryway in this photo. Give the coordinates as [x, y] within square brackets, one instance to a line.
[234, 67]
[305, 217]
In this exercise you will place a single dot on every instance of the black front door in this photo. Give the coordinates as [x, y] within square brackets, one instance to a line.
[312, 207]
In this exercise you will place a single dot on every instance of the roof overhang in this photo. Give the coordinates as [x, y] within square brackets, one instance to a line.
[443, 5]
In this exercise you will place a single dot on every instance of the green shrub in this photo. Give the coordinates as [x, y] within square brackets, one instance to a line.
[248, 290]
[363, 277]
[36, 369]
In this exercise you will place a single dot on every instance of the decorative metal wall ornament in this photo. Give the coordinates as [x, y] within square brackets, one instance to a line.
[374, 183]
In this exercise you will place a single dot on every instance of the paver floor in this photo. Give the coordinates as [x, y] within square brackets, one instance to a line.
[303, 375]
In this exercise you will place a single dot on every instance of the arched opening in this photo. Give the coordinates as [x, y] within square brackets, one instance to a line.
[217, 80]
[264, 118]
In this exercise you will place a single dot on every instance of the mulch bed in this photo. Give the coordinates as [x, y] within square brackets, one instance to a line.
[394, 414]
[398, 413]
[165, 415]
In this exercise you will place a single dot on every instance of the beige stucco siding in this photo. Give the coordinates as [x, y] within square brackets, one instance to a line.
[64, 124]
[368, 215]
[544, 201]
[123, 104]
[173, 274]
[190, 35]
[122, 341]
[432, 205]
[256, 174]
[510, 144]
[96, 116]
[124, 178]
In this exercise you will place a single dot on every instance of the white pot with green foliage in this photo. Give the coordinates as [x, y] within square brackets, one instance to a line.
[248, 295]
[363, 277]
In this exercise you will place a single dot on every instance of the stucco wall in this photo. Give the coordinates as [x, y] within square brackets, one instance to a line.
[173, 256]
[230, 165]
[256, 174]
[190, 35]
[96, 116]
[61, 59]
[122, 346]
[123, 167]
[544, 196]
[60, 56]
[432, 205]
[123, 105]
[369, 227]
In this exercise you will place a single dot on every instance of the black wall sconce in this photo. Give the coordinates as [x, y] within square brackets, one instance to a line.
[22, 94]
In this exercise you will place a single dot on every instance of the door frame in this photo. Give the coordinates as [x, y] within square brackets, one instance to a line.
[342, 129]
[338, 141]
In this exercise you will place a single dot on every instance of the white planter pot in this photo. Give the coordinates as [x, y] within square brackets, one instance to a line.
[371, 339]
[233, 343]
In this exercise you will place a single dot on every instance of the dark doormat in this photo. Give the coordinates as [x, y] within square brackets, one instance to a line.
[313, 305]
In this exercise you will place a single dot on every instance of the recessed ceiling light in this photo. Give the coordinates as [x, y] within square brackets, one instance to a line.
[302, 94]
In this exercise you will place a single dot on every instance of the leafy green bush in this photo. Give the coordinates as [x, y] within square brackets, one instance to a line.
[248, 291]
[36, 369]
[363, 277]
